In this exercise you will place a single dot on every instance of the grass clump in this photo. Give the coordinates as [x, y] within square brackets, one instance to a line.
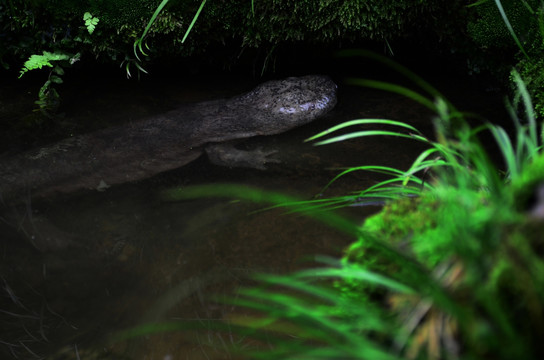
[514, 30]
[454, 273]
[451, 268]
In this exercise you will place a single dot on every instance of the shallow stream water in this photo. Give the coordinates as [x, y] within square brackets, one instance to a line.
[135, 257]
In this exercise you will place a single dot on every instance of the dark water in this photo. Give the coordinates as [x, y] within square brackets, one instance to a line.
[134, 258]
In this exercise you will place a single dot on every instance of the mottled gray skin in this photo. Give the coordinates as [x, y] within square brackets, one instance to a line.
[139, 150]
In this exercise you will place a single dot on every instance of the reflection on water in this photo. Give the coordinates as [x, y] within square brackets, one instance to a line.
[126, 257]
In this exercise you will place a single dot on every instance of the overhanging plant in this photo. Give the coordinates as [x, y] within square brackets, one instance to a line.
[48, 96]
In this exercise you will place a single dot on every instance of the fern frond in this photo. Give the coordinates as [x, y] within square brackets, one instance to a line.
[39, 61]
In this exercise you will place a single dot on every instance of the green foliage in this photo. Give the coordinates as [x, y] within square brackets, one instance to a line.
[490, 30]
[327, 21]
[118, 13]
[532, 73]
[107, 32]
[48, 97]
[484, 250]
[90, 22]
[460, 264]
[456, 272]
[39, 61]
[138, 44]
[162, 27]
[501, 26]
[470, 231]
[521, 189]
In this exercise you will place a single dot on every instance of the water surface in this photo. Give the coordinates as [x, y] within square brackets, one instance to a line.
[135, 258]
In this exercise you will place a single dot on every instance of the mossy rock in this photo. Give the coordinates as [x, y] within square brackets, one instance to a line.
[424, 228]
[57, 24]
[532, 73]
[486, 254]
[489, 30]
[522, 189]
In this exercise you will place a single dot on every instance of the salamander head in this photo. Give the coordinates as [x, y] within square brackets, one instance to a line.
[288, 103]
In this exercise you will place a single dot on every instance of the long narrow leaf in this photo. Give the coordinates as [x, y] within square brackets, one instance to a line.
[353, 273]
[357, 134]
[258, 196]
[480, 2]
[528, 106]
[507, 150]
[363, 122]
[374, 168]
[397, 67]
[510, 28]
[193, 21]
[138, 43]
[381, 85]
[421, 162]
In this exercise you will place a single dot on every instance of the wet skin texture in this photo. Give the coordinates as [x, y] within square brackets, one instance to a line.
[142, 149]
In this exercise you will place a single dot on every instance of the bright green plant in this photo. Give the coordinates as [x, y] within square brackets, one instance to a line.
[456, 265]
[90, 22]
[455, 272]
[269, 23]
[39, 61]
[500, 25]
[127, 30]
[140, 42]
[48, 97]
[531, 71]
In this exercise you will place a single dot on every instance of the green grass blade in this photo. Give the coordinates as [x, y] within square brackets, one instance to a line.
[527, 6]
[314, 206]
[310, 320]
[480, 2]
[393, 191]
[507, 150]
[397, 67]
[358, 273]
[363, 122]
[258, 196]
[193, 21]
[421, 161]
[315, 319]
[528, 106]
[357, 134]
[401, 90]
[138, 42]
[510, 28]
[378, 169]
[540, 15]
[372, 191]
